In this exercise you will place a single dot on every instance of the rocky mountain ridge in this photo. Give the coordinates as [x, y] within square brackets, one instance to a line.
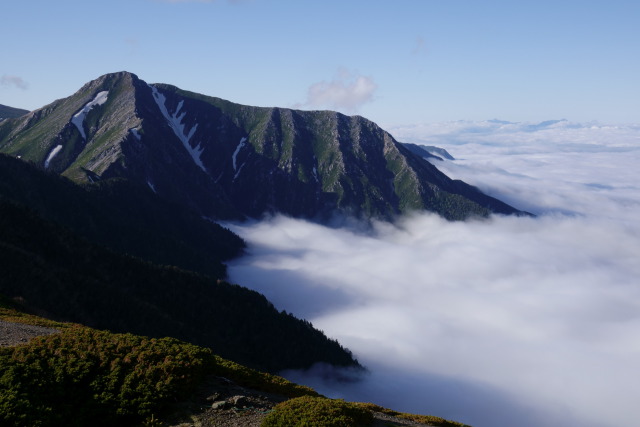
[226, 160]
[7, 112]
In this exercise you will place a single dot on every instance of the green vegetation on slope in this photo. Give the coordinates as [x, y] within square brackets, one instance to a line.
[318, 412]
[33, 136]
[88, 377]
[82, 376]
[424, 419]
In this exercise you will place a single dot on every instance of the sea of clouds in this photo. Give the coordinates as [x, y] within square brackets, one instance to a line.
[498, 322]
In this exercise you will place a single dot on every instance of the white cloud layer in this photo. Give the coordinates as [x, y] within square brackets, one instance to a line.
[15, 81]
[501, 322]
[347, 91]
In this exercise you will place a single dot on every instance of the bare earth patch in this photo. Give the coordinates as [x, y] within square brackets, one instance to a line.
[12, 333]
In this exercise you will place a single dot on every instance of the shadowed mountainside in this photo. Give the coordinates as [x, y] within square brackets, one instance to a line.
[52, 272]
[7, 112]
[123, 216]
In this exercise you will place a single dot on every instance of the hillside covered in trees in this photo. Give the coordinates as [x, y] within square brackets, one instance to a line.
[63, 274]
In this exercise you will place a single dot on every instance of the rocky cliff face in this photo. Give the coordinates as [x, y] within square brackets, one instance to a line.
[227, 160]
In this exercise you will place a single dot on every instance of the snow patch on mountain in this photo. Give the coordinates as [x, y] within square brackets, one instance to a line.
[78, 118]
[235, 153]
[135, 133]
[52, 154]
[175, 123]
[238, 173]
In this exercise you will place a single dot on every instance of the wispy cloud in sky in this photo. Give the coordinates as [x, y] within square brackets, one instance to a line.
[13, 81]
[499, 322]
[419, 47]
[346, 91]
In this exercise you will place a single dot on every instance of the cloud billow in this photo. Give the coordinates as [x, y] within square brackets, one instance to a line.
[346, 91]
[13, 81]
[534, 319]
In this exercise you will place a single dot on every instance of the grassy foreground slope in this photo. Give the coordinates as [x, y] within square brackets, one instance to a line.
[82, 376]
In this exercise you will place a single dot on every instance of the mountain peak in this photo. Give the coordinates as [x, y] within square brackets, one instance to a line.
[115, 76]
[227, 160]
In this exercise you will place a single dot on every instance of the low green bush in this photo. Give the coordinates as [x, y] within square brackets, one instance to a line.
[309, 411]
[83, 376]
[423, 419]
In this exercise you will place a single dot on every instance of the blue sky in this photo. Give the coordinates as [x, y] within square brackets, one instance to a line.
[395, 62]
